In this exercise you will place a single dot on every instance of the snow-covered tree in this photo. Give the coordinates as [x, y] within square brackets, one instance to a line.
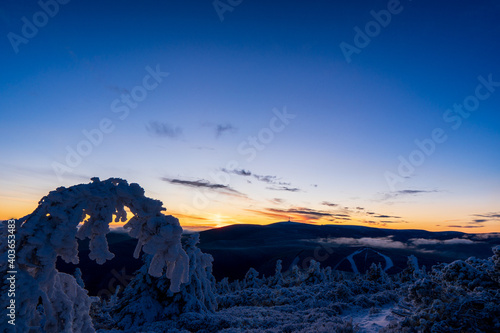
[236, 285]
[252, 279]
[412, 271]
[294, 276]
[314, 275]
[327, 272]
[223, 286]
[495, 272]
[277, 278]
[148, 299]
[376, 273]
[85, 211]
[456, 297]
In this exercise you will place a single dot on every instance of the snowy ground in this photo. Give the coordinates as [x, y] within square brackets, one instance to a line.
[463, 295]
[369, 321]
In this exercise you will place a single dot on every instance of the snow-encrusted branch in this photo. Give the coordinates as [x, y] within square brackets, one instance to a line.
[85, 211]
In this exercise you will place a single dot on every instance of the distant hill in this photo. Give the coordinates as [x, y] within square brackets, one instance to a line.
[236, 248]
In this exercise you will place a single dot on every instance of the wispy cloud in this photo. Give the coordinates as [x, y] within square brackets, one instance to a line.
[202, 184]
[266, 178]
[220, 129]
[341, 215]
[382, 223]
[283, 188]
[489, 216]
[465, 226]
[413, 192]
[373, 223]
[335, 213]
[478, 220]
[390, 221]
[302, 211]
[156, 128]
[203, 148]
[362, 215]
[195, 183]
[387, 217]
[278, 185]
[278, 201]
[295, 214]
[405, 193]
[239, 172]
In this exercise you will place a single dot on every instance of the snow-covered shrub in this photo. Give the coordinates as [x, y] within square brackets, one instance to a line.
[314, 275]
[412, 272]
[342, 292]
[100, 313]
[85, 211]
[294, 277]
[252, 279]
[147, 298]
[236, 285]
[223, 286]
[425, 291]
[277, 278]
[466, 275]
[327, 273]
[455, 297]
[495, 272]
[376, 273]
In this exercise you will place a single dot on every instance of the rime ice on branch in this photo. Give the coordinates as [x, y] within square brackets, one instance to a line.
[52, 230]
[148, 300]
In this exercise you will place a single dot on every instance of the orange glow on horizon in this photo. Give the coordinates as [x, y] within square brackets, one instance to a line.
[17, 208]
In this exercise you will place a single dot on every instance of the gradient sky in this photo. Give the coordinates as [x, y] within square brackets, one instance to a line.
[188, 142]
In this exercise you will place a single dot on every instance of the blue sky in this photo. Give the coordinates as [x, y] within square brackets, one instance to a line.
[352, 119]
